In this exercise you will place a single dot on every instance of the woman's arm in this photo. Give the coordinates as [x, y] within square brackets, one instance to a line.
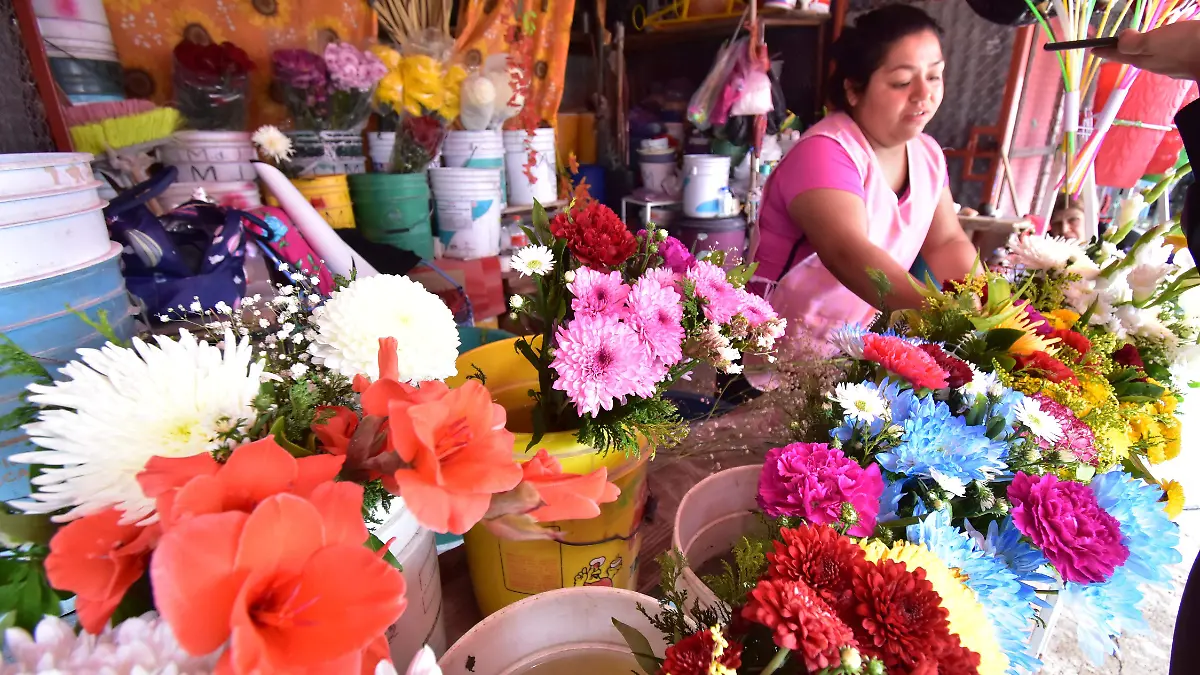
[835, 223]
[947, 250]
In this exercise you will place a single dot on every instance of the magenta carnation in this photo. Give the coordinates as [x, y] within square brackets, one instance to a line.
[721, 301]
[675, 255]
[1078, 439]
[656, 315]
[812, 481]
[1039, 323]
[598, 360]
[1063, 518]
[598, 293]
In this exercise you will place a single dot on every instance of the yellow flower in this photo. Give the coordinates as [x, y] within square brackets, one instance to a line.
[391, 90]
[1062, 319]
[389, 56]
[1118, 442]
[967, 617]
[1172, 498]
[1176, 241]
[453, 87]
[1030, 342]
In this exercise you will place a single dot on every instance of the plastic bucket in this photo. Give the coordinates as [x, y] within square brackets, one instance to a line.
[718, 234]
[600, 551]
[329, 195]
[34, 315]
[423, 621]
[380, 145]
[50, 204]
[468, 211]
[53, 29]
[209, 147]
[476, 150]
[88, 77]
[91, 11]
[393, 209]
[49, 245]
[712, 517]
[659, 171]
[32, 173]
[328, 153]
[518, 148]
[574, 624]
[84, 54]
[217, 172]
[703, 178]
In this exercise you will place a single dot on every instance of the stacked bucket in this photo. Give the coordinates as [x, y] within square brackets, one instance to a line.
[216, 161]
[529, 166]
[79, 45]
[54, 254]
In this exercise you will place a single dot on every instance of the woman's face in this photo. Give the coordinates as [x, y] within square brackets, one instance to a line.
[903, 93]
[1068, 224]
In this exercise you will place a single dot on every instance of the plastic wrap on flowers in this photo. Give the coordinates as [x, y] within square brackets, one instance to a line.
[211, 85]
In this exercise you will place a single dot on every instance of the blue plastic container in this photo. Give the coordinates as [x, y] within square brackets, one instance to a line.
[595, 175]
[35, 316]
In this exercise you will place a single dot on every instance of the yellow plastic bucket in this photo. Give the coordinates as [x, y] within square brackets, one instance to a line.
[601, 551]
[329, 195]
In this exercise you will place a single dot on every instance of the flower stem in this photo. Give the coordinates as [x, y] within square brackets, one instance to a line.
[777, 662]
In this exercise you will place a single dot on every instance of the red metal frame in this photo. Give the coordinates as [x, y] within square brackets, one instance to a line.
[47, 88]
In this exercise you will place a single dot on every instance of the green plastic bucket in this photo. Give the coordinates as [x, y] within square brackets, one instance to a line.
[394, 209]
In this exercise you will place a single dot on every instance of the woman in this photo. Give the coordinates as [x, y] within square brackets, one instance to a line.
[1067, 220]
[864, 189]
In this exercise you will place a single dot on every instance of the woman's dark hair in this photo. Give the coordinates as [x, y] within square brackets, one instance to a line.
[861, 48]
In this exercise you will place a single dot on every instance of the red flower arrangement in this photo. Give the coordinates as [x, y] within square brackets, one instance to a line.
[212, 59]
[1129, 357]
[1076, 341]
[904, 359]
[1041, 364]
[958, 372]
[821, 558]
[901, 618]
[693, 655]
[799, 621]
[595, 236]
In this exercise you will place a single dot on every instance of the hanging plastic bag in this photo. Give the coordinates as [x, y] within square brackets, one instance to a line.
[755, 98]
[700, 108]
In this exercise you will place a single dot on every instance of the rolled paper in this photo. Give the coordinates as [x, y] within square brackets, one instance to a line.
[334, 252]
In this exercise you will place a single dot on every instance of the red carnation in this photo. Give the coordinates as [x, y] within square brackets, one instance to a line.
[901, 617]
[1045, 366]
[902, 358]
[959, 373]
[822, 559]
[1129, 357]
[595, 236]
[800, 621]
[1075, 341]
[693, 655]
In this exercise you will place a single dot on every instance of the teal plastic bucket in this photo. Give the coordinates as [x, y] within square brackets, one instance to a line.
[394, 209]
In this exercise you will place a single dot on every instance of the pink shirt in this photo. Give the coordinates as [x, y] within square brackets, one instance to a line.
[816, 162]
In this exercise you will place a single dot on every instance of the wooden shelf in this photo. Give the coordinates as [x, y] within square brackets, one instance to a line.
[674, 33]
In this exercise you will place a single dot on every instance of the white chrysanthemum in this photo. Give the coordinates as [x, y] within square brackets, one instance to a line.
[1029, 412]
[982, 384]
[861, 403]
[138, 646]
[121, 406]
[351, 323]
[533, 261]
[1044, 252]
[1144, 323]
[273, 143]
[849, 340]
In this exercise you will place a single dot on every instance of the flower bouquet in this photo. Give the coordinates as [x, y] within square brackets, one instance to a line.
[212, 85]
[621, 318]
[418, 100]
[328, 92]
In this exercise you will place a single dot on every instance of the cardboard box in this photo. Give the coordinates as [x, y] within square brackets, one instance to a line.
[481, 279]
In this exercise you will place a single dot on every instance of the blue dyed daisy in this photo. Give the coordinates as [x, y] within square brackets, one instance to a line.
[1008, 601]
[889, 501]
[1004, 541]
[940, 445]
[1108, 610]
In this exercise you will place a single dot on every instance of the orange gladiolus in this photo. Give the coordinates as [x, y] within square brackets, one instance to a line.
[336, 428]
[566, 496]
[254, 472]
[98, 559]
[289, 585]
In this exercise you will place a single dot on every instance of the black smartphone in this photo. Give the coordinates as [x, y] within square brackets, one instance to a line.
[1091, 43]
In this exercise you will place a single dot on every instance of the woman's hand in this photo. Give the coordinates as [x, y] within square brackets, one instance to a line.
[1172, 50]
[947, 249]
[835, 223]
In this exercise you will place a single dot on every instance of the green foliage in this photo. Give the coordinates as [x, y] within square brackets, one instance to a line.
[376, 498]
[734, 584]
[376, 544]
[673, 619]
[101, 325]
[478, 375]
[16, 362]
[622, 428]
[25, 593]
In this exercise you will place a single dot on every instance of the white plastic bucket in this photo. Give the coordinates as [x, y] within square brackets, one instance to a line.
[476, 150]
[423, 621]
[216, 172]
[518, 146]
[380, 145]
[32, 173]
[53, 30]
[80, 10]
[565, 622]
[243, 194]
[704, 176]
[712, 517]
[204, 147]
[50, 204]
[83, 55]
[48, 245]
[468, 203]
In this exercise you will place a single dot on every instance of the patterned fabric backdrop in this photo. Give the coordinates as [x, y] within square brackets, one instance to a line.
[145, 32]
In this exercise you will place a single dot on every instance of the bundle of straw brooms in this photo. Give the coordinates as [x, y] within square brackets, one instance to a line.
[407, 20]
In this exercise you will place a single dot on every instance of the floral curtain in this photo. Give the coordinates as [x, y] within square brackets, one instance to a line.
[145, 32]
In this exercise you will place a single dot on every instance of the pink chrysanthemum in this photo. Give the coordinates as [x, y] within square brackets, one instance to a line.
[756, 309]
[1063, 518]
[598, 293]
[721, 301]
[598, 360]
[812, 481]
[1078, 439]
[656, 315]
[904, 359]
[664, 276]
